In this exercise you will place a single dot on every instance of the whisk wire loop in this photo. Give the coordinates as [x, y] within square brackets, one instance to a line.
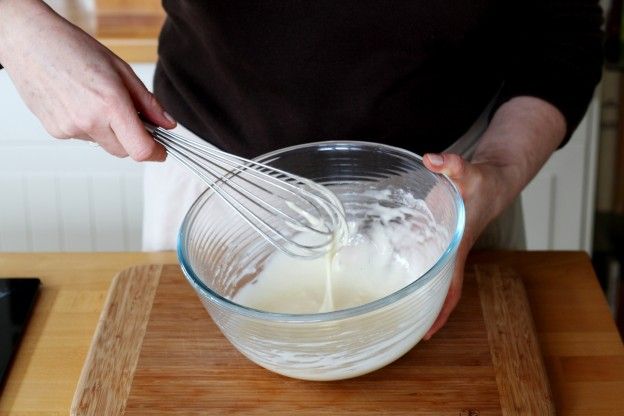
[236, 169]
[280, 206]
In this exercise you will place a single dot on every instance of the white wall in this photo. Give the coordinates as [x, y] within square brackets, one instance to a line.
[63, 195]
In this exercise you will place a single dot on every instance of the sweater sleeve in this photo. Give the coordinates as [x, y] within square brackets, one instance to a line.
[555, 54]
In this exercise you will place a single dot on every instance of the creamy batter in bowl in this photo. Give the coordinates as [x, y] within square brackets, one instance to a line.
[389, 282]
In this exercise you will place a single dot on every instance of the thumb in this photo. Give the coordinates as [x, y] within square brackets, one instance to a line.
[144, 101]
[451, 165]
[463, 174]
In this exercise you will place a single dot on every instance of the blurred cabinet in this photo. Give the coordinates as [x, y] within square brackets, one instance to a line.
[130, 6]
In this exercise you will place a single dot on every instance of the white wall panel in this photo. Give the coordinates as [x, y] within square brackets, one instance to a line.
[15, 232]
[538, 212]
[76, 221]
[63, 195]
[108, 213]
[43, 212]
[133, 215]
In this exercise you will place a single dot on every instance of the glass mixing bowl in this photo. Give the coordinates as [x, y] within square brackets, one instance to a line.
[220, 254]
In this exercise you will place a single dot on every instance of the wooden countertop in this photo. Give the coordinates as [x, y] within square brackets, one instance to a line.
[129, 28]
[583, 352]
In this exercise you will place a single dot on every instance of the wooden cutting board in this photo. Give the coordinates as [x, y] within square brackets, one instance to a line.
[156, 351]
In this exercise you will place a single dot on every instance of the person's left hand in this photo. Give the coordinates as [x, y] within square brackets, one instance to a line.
[481, 186]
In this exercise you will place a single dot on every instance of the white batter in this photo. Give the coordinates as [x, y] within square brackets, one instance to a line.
[385, 251]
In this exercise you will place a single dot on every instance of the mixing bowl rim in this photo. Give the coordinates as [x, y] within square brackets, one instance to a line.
[442, 261]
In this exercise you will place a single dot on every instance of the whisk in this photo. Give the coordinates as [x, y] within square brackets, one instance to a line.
[296, 215]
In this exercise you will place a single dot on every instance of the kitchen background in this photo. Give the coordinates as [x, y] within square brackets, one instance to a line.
[71, 196]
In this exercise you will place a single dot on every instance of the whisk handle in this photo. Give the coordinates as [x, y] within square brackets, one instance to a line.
[151, 128]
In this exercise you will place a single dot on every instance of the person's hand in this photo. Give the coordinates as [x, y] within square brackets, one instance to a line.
[74, 85]
[477, 183]
[521, 136]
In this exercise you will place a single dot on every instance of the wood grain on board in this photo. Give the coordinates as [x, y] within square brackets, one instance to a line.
[106, 380]
[521, 378]
[486, 361]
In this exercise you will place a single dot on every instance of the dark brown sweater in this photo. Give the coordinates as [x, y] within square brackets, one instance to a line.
[253, 76]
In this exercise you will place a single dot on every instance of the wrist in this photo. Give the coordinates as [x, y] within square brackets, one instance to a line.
[521, 136]
[499, 185]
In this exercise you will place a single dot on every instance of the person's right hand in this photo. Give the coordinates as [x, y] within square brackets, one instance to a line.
[76, 86]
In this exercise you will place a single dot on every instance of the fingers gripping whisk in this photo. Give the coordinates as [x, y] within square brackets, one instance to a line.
[299, 217]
